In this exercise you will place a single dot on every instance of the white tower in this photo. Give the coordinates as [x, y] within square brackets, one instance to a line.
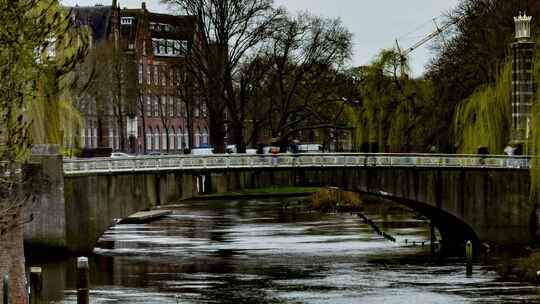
[522, 80]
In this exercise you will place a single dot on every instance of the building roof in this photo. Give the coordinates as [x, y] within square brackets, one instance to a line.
[97, 17]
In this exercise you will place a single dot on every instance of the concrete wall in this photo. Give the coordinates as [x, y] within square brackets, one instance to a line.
[48, 227]
[493, 203]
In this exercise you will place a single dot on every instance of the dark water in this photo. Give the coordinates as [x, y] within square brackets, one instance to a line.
[250, 251]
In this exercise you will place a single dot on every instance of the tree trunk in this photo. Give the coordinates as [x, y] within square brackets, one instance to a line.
[238, 137]
[167, 138]
[121, 134]
[189, 127]
[100, 134]
[217, 132]
[143, 123]
[12, 263]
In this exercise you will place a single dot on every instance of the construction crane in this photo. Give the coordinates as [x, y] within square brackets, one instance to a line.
[439, 30]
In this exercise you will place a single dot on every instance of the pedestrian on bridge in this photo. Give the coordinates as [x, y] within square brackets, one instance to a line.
[274, 156]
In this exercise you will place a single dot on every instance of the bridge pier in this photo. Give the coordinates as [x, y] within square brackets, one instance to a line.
[48, 227]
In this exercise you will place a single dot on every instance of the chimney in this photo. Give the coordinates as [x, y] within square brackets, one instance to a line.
[114, 3]
[144, 5]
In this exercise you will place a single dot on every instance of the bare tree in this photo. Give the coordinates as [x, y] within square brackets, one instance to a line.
[230, 29]
[303, 87]
[189, 93]
[109, 87]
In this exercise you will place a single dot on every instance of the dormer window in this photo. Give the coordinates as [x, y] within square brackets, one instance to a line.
[126, 20]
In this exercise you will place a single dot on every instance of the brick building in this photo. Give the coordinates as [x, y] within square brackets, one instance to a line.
[154, 115]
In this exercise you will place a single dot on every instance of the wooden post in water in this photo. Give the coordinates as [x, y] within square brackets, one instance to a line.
[35, 285]
[469, 253]
[433, 238]
[5, 286]
[83, 281]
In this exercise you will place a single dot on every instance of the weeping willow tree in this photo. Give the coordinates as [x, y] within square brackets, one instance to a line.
[390, 113]
[484, 119]
[38, 48]
[54, 118]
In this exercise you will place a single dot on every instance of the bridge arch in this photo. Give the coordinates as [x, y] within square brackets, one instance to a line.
[454, 232]
[488, 195]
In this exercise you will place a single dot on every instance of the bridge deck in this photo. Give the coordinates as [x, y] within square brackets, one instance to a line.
[232, 161]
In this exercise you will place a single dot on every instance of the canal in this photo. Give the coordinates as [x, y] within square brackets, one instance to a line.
[258, 251]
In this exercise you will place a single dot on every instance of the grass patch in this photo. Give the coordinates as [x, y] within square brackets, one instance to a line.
[333, 199]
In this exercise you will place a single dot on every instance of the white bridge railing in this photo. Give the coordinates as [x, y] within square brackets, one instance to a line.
[233, 161]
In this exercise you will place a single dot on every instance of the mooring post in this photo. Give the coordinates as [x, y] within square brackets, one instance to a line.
[35, 285]
[5, 286]
[469, 253]
[433, 238]
[83, 281]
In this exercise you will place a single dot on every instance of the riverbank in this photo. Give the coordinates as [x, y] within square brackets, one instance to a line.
[522, 269]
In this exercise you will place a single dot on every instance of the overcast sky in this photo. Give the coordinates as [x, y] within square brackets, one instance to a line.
[375, 24]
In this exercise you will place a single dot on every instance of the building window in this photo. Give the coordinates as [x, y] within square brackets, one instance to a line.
[149, 139]
[186, 139]
[171, 139]
[179, 135]
[95, 138]
[148, 75]
[163, 77]
[156, 139]
[164, 140]
[162, 47]
[171, 106]
[155, 46]
[117, 138]
[171, 78]
[156, 106]
[163, 106]
[170, 47]
[126, 20]
[197, 138]
[205, 136]
[178, 107]
[180, 47]
[203, 108]
[196, 110]
[178, 78]
[141, 73]
[148, 106]
[163, 27]
[156, 75]
[111, 138]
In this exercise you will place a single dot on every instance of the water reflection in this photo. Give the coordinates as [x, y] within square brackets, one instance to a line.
[258, 252]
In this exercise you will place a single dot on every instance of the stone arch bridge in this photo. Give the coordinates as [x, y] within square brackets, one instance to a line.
[484, 198]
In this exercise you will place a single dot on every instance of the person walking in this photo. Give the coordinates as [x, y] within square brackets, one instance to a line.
[274, 156]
